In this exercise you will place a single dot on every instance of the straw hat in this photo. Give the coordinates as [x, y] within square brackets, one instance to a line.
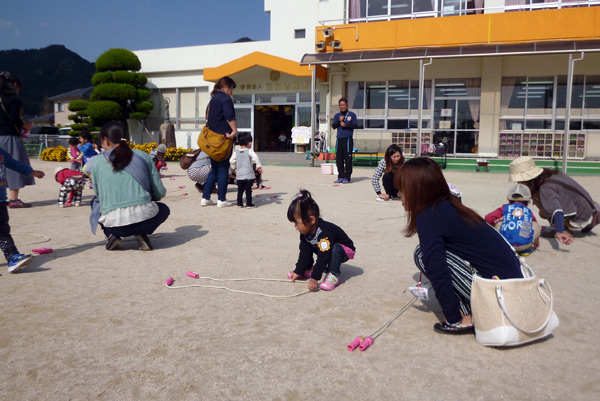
[519, 192]
[523, 169]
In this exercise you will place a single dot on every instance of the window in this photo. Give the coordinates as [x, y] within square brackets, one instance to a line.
[539, 103]
[299, 33]
[389, 104]
[385, 9]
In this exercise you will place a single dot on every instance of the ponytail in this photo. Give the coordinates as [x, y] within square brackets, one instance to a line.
[116, 133]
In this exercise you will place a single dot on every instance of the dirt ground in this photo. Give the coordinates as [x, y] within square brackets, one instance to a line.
[84, 323]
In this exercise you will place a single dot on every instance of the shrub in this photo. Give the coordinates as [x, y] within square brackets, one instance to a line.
[102, 78]
[78, 105]
[118, 59]
[114, 91]
[55, 154]
[104, 110]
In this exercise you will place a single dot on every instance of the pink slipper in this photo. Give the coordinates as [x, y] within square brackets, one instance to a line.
[329, 283]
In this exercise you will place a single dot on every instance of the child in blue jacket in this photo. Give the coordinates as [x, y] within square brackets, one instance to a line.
[16, 261]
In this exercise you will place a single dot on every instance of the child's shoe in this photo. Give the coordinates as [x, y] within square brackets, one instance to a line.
[250, 205]
[224, 203]
[206, 202]
[305, 277]
[329, 283]
[526, 252]
[18, 262]
[68, 204]
[338, 181]
[240, 204]
[60, 204]
[77, 204]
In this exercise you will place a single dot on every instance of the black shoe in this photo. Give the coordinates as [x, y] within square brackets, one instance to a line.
[250, 205]
[199, 187]
[143, 243]
[446, 328]
[112, 242]
[239, 204]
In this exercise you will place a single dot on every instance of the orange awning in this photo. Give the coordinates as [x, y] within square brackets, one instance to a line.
[262, 60]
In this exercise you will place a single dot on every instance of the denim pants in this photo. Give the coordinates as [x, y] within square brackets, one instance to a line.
[338, 256]
[219, 173]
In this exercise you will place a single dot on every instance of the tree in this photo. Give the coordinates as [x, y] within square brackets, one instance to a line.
[120, 91]
[80, 119]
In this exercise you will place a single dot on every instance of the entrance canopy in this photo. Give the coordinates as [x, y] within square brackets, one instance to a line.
[263, 60]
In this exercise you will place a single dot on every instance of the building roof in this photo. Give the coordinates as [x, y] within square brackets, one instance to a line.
[263, 60]
[43, 119]
[74, 94]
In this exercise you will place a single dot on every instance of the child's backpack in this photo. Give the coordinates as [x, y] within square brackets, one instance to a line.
[517, 224]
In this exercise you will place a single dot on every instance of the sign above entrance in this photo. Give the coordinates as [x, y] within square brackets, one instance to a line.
[285, 86]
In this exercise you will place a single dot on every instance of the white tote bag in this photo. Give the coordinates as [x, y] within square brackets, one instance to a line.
[513, 311]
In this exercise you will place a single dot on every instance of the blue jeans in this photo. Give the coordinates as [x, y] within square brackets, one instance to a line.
[338, 256]
[219, 173]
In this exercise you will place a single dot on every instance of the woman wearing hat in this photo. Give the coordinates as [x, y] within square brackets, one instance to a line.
[559, 198]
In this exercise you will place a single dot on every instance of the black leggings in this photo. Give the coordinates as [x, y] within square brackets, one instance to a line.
[6, 241]
[145, 227]
[388, 184]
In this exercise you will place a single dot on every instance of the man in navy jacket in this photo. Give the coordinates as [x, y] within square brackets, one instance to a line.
[345, 123]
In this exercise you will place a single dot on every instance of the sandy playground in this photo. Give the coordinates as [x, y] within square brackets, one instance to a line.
[84, 323]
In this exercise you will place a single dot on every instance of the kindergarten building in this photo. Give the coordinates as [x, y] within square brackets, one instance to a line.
[488, 78]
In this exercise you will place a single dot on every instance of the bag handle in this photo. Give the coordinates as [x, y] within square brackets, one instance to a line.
[501, 301]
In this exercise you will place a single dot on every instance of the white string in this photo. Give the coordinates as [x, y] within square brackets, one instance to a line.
[47, 239]
[387, 324]
[240, 291]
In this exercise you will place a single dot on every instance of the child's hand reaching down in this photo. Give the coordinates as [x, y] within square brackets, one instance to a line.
[293, 276]
[312, 284]
[38, 174]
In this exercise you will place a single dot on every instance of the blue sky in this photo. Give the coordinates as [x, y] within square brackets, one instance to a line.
[89, 28]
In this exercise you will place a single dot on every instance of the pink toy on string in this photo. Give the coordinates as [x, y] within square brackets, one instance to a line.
[192, 274]
[184, 194]
[266, 187]
[42, 250]
[169, 281]
[181, 186]
[365, 342]
[172, 178]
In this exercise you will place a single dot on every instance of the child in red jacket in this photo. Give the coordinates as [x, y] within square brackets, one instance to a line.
[72, 182]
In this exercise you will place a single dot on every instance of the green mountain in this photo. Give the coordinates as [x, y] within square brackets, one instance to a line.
[45, 73]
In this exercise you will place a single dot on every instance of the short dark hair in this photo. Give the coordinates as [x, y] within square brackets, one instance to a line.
[86, 135]
[73, 141]
[304, 205]
[244, 138]
[343, 99]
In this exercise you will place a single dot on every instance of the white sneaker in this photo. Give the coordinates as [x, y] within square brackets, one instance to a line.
[206, 202]
[224, 203]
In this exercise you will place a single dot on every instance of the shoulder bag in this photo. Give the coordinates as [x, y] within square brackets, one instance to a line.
[186, 160]
[513, 311]
[216, 145]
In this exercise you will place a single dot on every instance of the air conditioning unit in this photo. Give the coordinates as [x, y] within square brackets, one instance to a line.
[328, 32]
[336, 44]
[320, 46]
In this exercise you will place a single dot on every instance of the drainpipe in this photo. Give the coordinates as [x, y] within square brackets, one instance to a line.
[421, 90]
[571, 67]
[313, 109]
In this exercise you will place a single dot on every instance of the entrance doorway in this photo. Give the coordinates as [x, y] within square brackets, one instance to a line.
[269, 122]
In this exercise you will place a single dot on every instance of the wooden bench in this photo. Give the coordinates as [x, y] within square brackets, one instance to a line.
[373, 157]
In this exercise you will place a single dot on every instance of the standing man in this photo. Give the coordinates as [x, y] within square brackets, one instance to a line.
[344, 122]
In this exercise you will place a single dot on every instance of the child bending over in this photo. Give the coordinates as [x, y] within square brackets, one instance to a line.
[72, 183]
[331, 244]
[243, 162]
[516, 222]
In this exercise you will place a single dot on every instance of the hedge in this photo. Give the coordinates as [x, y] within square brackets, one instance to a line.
[118, 59]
